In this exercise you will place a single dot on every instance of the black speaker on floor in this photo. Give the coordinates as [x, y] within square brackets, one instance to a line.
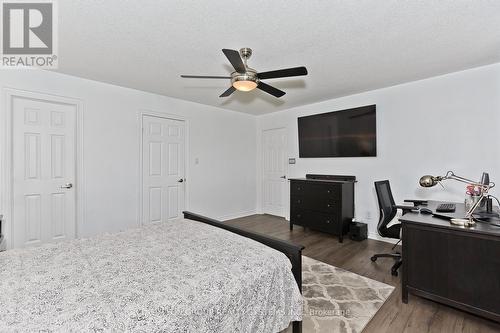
[358, 231]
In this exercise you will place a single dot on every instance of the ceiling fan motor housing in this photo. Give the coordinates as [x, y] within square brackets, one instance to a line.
[245, 81]
[250, 75]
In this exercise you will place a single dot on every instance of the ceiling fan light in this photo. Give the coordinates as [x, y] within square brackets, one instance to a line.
[245, 85]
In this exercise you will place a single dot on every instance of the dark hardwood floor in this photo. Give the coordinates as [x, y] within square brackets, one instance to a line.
[419, 315]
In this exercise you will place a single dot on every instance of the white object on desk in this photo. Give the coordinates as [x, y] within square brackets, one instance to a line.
[462, 222]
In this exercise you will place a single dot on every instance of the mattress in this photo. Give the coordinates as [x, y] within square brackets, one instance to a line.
[180, 276]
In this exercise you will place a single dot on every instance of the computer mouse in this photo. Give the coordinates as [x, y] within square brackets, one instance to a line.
[426, 211]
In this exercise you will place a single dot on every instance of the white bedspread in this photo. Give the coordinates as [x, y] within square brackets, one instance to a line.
[182, 276]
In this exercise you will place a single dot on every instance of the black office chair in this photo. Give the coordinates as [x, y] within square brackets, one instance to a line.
[388, 210]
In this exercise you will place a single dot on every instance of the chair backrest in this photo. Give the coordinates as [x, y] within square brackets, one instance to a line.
[386, 204]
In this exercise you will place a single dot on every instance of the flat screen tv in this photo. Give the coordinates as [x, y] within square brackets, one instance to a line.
[346, 133]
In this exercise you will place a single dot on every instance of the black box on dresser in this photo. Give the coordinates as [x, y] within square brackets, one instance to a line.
[322, 202]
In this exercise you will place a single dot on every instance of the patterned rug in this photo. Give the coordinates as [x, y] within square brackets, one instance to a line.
[336, 300]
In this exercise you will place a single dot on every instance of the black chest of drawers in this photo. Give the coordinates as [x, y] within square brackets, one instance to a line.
[322, 202]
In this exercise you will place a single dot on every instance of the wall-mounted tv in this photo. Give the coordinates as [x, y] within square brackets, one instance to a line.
[346, 133]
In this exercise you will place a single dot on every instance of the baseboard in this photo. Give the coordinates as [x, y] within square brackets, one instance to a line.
[236, 215]
[375, 236]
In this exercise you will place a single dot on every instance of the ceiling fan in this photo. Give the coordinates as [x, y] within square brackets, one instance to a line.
[245, 78]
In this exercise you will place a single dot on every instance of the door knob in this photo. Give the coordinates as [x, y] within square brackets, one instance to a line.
[67, 185]
[181, 180]
[283, 177]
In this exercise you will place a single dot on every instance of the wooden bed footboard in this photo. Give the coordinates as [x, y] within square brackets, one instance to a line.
[292, 251]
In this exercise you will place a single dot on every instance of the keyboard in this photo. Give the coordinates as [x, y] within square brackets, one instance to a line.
[446, 208]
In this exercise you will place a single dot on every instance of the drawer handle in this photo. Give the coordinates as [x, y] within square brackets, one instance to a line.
[328, 191]
[327, 221]
[298, 201]
[328, 205]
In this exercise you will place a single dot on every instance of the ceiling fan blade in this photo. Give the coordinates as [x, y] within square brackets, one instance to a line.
[228, 92]
[296, 71]
[270, 89]
[234, 58]
[204, 77]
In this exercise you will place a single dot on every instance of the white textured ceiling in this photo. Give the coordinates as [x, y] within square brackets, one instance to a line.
[348, 46]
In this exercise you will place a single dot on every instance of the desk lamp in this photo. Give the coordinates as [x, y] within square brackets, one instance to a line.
[484, 186]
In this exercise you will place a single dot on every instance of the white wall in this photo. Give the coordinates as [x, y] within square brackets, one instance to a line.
[451, 122]
[222, 185]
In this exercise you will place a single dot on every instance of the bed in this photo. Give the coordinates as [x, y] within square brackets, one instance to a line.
[191, 275]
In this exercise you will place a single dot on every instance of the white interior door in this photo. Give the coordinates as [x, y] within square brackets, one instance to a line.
[44, 167]
[274, 145]
[163, 169]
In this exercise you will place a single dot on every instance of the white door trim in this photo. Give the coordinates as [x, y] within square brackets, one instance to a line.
[164, 115]
[286, 193]
[6, 172]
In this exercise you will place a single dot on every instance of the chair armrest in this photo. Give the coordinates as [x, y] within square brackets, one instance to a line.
[417, 202]
[407, 209]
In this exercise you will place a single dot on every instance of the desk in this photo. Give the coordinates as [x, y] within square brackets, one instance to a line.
[453, 265]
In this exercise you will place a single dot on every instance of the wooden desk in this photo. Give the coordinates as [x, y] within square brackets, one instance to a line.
[453, 265]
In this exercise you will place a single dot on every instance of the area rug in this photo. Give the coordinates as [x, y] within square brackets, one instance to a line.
[336, 300]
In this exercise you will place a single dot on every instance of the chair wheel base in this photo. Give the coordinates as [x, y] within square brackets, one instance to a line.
[373, 258]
